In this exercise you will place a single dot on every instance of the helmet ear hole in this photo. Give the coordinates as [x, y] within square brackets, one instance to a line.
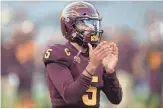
[84, 14]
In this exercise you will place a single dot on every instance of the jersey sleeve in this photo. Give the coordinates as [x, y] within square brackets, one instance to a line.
[112, 88]
[57, 54]
[56, 59]
[70, 90]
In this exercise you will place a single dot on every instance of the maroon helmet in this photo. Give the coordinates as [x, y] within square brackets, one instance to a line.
[81, 13]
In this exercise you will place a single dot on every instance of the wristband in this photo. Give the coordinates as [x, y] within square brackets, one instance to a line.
[88, 72]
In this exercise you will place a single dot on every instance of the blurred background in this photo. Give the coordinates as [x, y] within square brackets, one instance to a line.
[28, 28]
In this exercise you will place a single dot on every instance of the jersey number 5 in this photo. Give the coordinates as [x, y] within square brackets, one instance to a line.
[47, 54]
[93, 91]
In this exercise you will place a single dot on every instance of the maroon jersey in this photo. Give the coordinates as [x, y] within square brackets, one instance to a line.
[67, 85]
[154, 62]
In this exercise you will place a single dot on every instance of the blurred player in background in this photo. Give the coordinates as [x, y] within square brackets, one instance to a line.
[8, 59]
[124, 37]
[24, 52]
[154, 59]
[77, 71]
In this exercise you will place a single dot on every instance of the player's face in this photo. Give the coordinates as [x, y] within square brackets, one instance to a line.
[88, 27]
[89, 30]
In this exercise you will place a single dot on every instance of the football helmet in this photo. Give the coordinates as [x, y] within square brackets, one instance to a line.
[77, 15]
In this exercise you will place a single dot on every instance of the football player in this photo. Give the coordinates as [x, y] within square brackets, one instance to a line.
[77, 71]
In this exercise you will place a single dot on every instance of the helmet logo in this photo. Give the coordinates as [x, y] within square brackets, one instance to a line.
[74, 13]
[94, 38]
[79, 6]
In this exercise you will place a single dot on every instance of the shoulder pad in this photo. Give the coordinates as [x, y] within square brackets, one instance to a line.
[58, 54]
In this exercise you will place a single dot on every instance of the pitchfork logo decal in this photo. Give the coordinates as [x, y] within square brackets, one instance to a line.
[79, 6]
[74, 13]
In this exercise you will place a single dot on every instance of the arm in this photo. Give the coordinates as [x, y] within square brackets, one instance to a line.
[112, 88]
[71, 91]
[57, 69]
